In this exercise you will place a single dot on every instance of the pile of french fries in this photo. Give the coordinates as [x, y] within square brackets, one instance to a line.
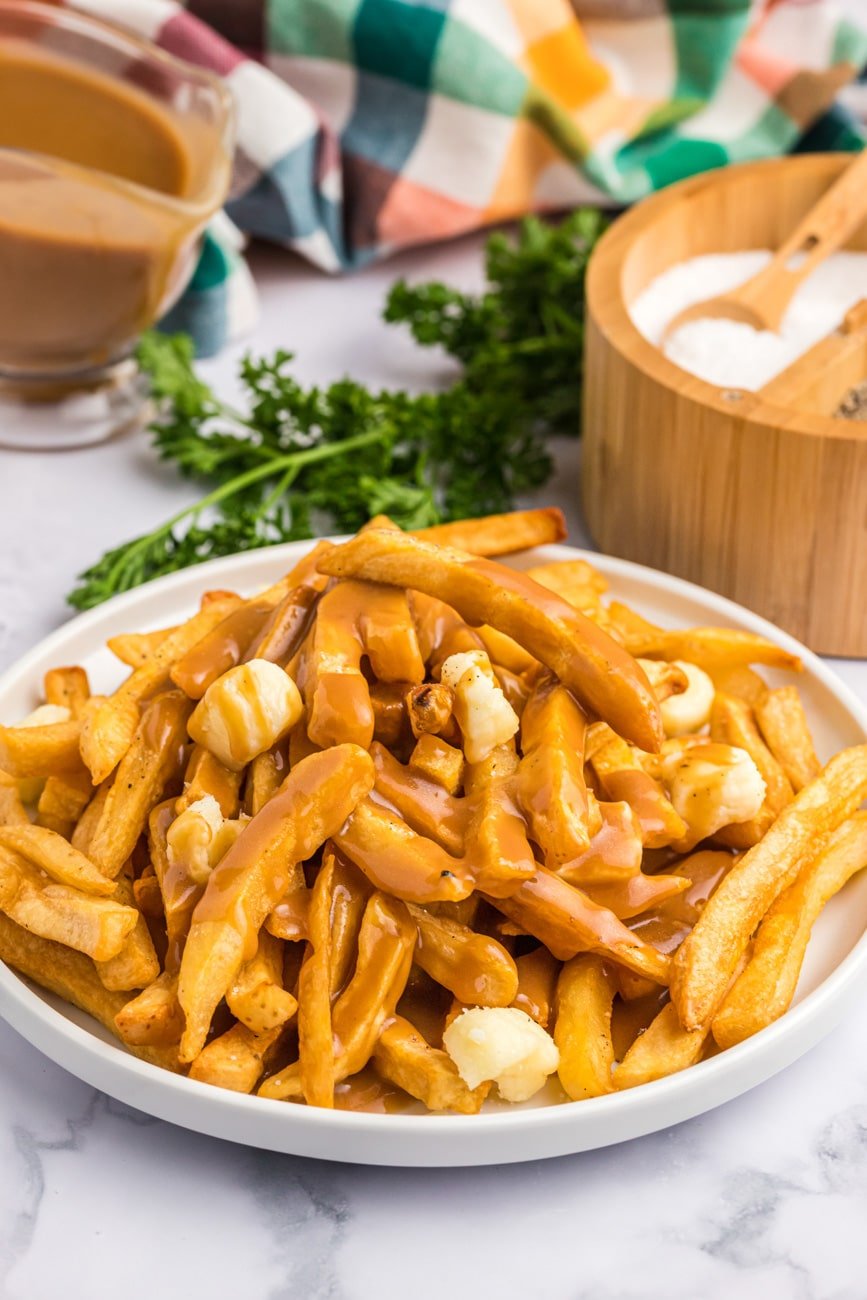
[414, 825]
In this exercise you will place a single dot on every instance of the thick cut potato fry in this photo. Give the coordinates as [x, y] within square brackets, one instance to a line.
[567, 922]
[397, 860]
[623, 778]
[706, 960]
[576, 581]
[474, 967]
[520, 530]
[148, 763]
[136, 965]
[289, 920]
[742, 682]
[537, 985]
[63, 800]
[110, 727]
[783, 723]
[441, 631]
[423, 804]
[506, 653]
[585, 659]
[67, 687]
[315, 1036]
[404, 1057]
[551, 787]
[206, 775]
[497, 850]
[56, 857]
[582, 1028]
[236, 1060]
[72, 976]
[385, 946]
[264, 775]
[664, 1048]
[312, 804]
[640, 893]
[390, 714]
[50, 750]
[615, 852]
[225, 646]
[732, 722]
[288, 624]
[153, 1018]
[440, 762]
[713, 648]
[256, 996]
[92, 925]
[12, 810]
[765, 988]
[133, 648]
[87, 823]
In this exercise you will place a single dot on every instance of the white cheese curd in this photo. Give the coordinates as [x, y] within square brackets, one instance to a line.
[689, 711]
[484, 715]
[712, 786]
[245, 712]
[504, 1045]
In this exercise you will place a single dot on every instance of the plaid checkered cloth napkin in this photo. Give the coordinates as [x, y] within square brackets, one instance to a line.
[365, 126]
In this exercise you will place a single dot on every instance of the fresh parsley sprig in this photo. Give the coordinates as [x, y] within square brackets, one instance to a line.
[299, 461]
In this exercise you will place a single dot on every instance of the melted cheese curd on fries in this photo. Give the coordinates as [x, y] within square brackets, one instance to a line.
[414, 828]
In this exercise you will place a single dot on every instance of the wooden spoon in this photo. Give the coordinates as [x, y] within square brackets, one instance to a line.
[762, 300]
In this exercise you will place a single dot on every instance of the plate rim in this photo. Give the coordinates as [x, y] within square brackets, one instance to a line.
[722, 1077]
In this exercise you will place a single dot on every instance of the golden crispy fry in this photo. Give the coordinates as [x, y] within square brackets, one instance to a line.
[713, 648]
[430, 708]
[551, 788]
[350, 894]
[67, 687]
[395, 859]
[289, 622]
[134, 648]
[743, 682]
[780, 715]
[256, 996]
[235, 1060]
[497, 850]
[706, 960]
[109, 728]
[92, 925]
[390, 714]
[52, 854]
[571, 579]
[640, 893]
[428, 808]
[520, 530]
[148, 897]
[623, 778]
[474, 967]
[63, 800]
[404, 1057]
[440, 762]
[567, 922]
[315, 1035]
[148, 763]
[506, 653]
[89, 820]
[615, 852]
[153, 1018]
[765, 988]
[585, 659]
[12, 810]
[50, 750]
[136, 965]
[289, 919]
[732, 722]
[537, 985]
[263, 780]
[441, 630]
[582, 1028]
[385, 947]
[226, 645]
[206, 775]
[664, 1048]
[73, 977]
[314, 801]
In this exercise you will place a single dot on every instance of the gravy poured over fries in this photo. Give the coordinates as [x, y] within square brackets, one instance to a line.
[412, 826]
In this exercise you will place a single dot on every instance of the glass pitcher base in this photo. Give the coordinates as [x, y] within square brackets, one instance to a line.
[43, 414]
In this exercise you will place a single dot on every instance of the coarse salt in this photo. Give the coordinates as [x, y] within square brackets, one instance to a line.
[728, 353]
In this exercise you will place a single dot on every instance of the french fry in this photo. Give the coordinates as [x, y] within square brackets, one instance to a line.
[506, 653]
[390, 714]
[50, 750]
[206, 775]
[664, 1048]
[441, 630]
[236, 1060]
[350, 894]
[424, 804]
[615, 852]
[579, 584]
[440, 762]
[640, 893]
[385, 946]
[430, 708]
[149, 898]
[141, 777]
[67, 687]
[742, 682]
[95, 926]
[732, 723]
[474, 967]
[623, 778]
[315, 1034]
[537, 984]
[109, 728]
[783, 723]
[12, 810]
[264, 775]
[585, 659]
[153, 1018]
[497, 850]
[519, 530]
[134, 648]
[290, 621]
[289, 919]
[398, 861]
[62, 801]
[404, 1057]
[713, 648]
[87, 823]
[551, 787]
[52, 854]
[765, 988]
[136, 965]
[224, 646]
[312, 804]
[71, 976]
[582, 1028]
[567, 922]
[706, 960]
[256, 996]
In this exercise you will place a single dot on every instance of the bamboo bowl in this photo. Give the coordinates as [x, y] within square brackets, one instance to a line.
[764, 501]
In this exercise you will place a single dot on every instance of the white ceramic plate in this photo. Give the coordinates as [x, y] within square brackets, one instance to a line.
[833, 976]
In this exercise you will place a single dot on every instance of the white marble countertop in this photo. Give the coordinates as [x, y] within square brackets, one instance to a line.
[765, 1197]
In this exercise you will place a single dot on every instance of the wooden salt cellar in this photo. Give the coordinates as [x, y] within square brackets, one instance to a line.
[759, 496]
